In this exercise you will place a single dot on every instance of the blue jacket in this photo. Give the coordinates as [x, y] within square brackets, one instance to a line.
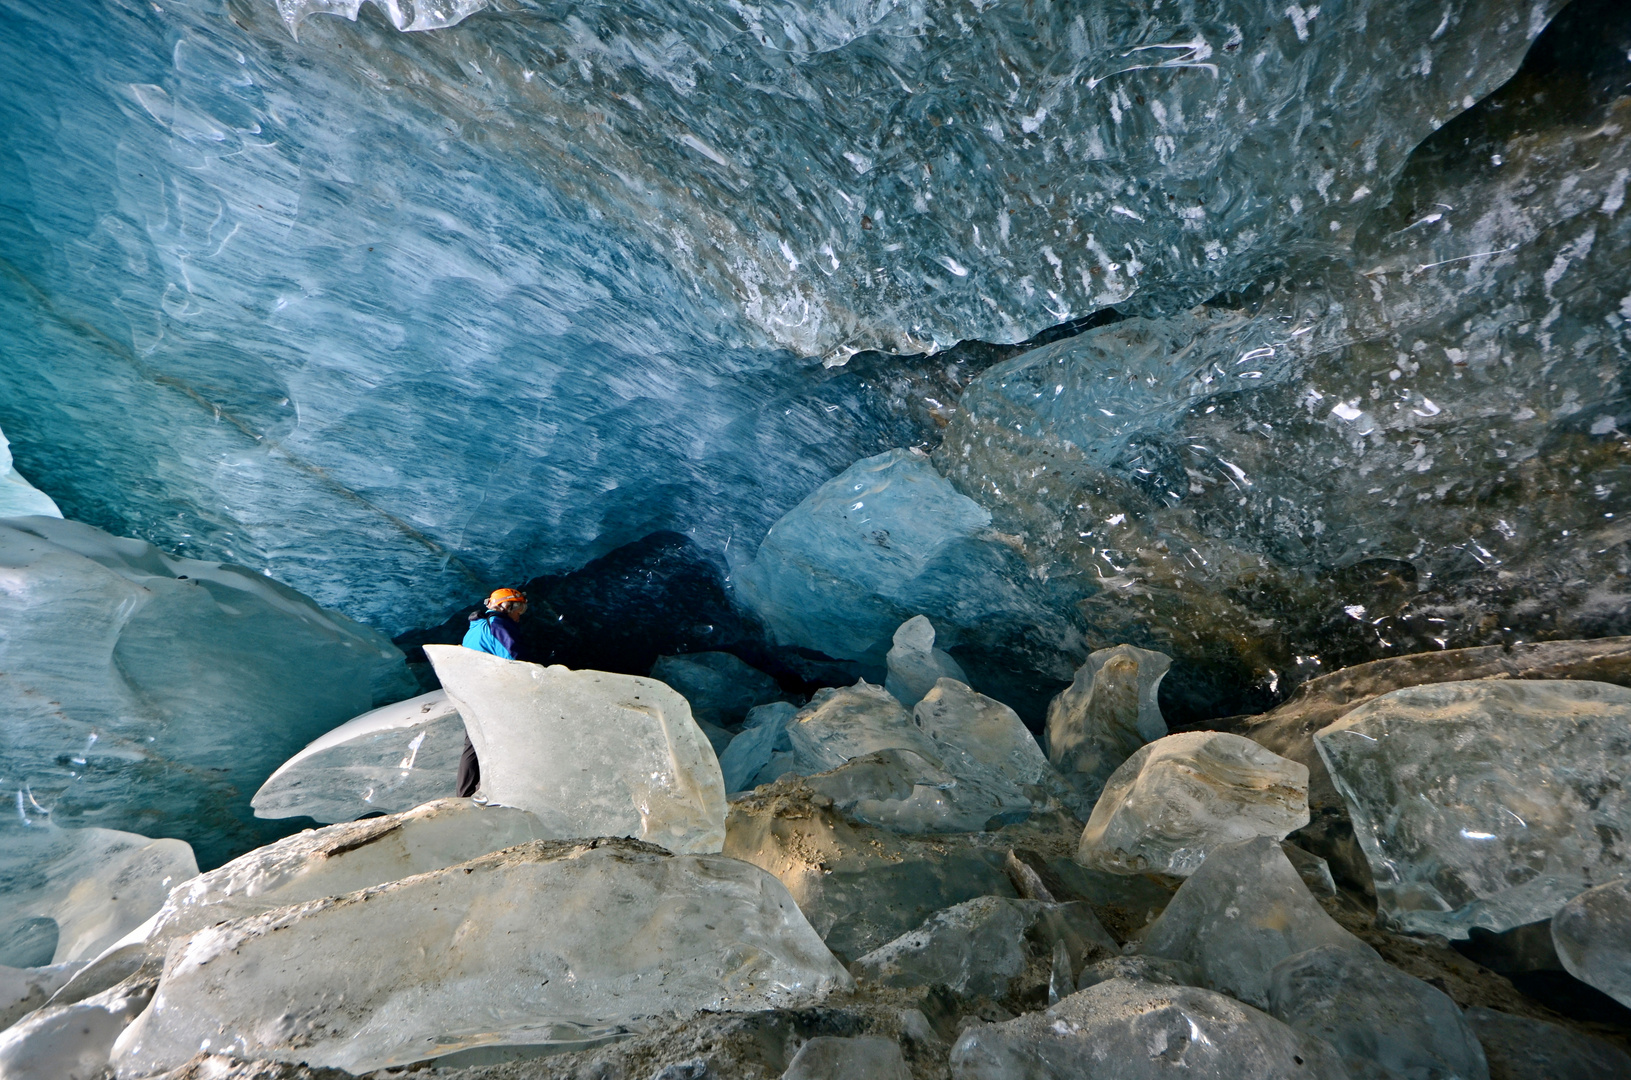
[493, 634]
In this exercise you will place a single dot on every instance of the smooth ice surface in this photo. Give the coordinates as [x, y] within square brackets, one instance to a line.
[389, 759]
[1128, 1029]
[342, 859]
[1521, 1048]
[1238, 916]
[970, 725]
[915, 664]
[982, 947]
[72, 1042]
[591, 753]
[1485, 803]
[720, 687]
[1592, 933]
[764, 733]
[19, 498]
[827, 1057]
[96, 884]
[22, 990]
[1374, 1013]
[1107, 712]
[154, 694]
[551, 941]
[883, 542]
[1179, 798]
[846, 722]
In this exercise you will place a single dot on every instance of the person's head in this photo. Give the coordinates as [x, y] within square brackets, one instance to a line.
[511, 603]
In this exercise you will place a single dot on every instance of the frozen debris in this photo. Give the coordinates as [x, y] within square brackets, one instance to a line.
[552, 942]
[983, 947]
[96, 885]
[1129, 1029]
[859, 885]
[1106, 714]
[158, 692]
[1484, 803]
[390, 759]
[342, 859]
[19, 498]
[720, 687]
[1519, 1048]
[589, 752]
[22, 990]
[1180, 797]
[915, 665]
[1592, 933]
[1238, 916]
[827, 1057]
[73, 1042]
[1375, 1015]
[749, 753]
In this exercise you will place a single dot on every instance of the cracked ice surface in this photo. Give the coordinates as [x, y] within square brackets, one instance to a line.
[590, 753]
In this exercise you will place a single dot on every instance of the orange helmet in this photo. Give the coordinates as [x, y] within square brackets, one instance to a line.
[501, 597]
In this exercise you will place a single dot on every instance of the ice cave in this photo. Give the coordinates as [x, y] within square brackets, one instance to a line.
[815, 539]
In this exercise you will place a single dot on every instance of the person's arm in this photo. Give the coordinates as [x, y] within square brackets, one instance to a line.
[504, 632]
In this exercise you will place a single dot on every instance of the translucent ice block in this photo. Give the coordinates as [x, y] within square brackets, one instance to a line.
[915, 664]
[1592, 933]
[1106, 714]
[589, 752]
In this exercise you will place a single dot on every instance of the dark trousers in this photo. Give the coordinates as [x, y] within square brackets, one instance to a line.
[469, 771]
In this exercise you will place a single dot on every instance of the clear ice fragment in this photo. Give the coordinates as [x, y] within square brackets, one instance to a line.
[846, 722]
[1178, 798]
[1484, 803]
[1592, 933]
[915, 664]
[551, 942]
[1129, 1029]
[762, 735]
[1106, 714]
[591, 753]
[1238, 916]
[73, 1042]
[979, 734]
[389, 759]
[828, 1057]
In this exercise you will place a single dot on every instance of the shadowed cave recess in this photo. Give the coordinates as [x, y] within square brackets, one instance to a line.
[1278, 341]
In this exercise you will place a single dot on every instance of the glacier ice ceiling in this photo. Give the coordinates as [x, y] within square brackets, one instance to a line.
[394, 316]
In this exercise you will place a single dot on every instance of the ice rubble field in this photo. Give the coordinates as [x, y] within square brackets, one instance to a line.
[388, 307]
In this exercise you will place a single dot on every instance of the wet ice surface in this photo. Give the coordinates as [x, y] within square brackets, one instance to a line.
[154, 694]
[388, 759]
[548, 942]
[1592, 933]
[590, 753]
[1485, 803]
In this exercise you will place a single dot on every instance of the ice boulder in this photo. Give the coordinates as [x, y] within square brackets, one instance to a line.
[983, 947]
[762, 736]
[1130, 1029]
[967, 726]
[73, 1042]
[552, 942]
[1592, 933]
[19, 498]
[154, 694]
[846, 722]
[720, 687]
[94, 885]
[1522, 1048]
[1106, 714]
[591, 753]
[887, 539]
[1180, 797]
[829, 1057]
[22, 990]
[344, 858]
[1485, 803]
[389, 759]
[915, 665]
[1238, 916]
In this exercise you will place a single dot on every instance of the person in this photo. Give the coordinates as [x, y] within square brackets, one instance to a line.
[494, 628]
